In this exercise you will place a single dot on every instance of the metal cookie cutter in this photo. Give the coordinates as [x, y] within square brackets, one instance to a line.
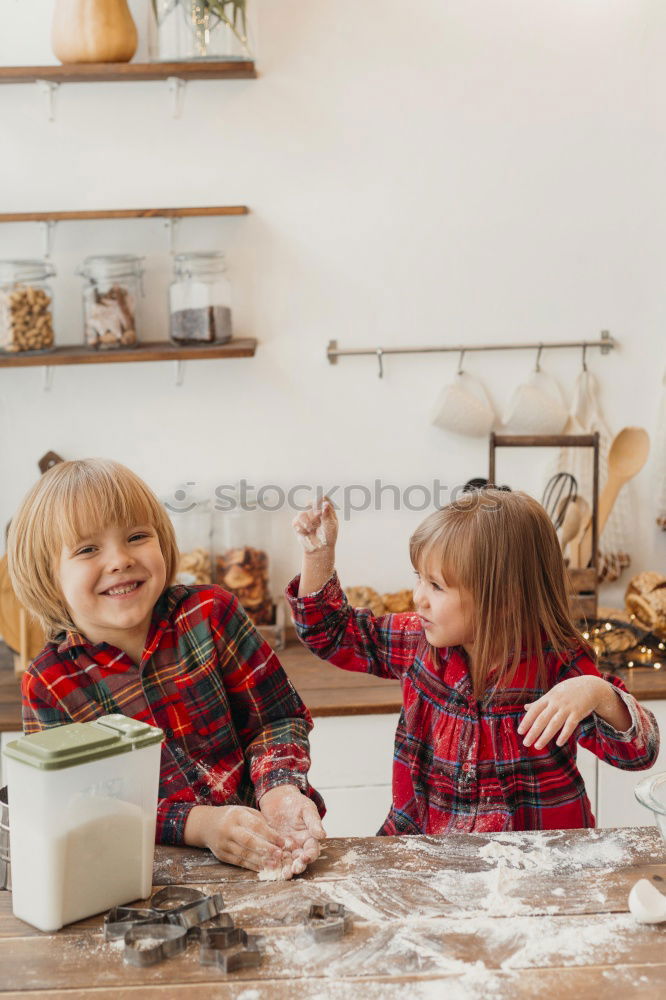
[229, 949]
[327, 921]
[121, 919]
[216, 939]
[191, 915]
[147, 944]
[171, 896]
[223, 922]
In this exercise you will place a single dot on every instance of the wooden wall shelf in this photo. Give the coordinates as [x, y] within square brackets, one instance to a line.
[107, 72]
[125, 213]
[243, 347]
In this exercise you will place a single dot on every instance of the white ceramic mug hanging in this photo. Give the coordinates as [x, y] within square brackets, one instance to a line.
[463, 406]
[537, 406]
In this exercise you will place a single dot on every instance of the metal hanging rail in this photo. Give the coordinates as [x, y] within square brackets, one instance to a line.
[606, 343]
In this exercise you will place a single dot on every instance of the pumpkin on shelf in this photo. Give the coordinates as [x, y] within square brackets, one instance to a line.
[92, 31]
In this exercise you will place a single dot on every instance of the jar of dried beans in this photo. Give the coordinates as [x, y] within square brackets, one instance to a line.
[200, 299]
[110, 295]
[241, 540]
[26, 314]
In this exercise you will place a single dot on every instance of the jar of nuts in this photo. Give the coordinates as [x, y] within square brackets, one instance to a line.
[26, 316]
[241, 564]
[110, 297]
[200, 299]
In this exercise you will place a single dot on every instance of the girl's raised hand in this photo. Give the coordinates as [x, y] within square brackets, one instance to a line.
[561, 709]
[317, 528]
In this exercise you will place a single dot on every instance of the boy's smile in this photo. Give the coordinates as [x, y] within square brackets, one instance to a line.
[110, 582]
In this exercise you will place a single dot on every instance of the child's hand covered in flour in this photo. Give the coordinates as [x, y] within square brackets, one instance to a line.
[317, 527]
[295, 817]
[317, 531]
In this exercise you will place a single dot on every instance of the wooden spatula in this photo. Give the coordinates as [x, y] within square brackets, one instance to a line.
[627, 456]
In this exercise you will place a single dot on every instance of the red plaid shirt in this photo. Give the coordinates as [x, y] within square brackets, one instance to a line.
[459, 764]
[234, 725]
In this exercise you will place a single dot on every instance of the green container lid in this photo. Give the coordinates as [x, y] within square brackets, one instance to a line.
[82, 742]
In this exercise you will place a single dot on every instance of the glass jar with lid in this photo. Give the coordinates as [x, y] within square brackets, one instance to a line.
[110, 295]
[241, 543]
[201, 29]
[26, 313]
[200, 299]
[190, 515]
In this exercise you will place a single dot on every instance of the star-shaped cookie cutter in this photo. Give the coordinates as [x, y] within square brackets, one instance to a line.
[327, 921]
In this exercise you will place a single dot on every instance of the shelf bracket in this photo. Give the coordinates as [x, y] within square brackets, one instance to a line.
[180, 372]
[49, 88]
[177, 88]
[172, 227]
[48, 378]
[48, 231]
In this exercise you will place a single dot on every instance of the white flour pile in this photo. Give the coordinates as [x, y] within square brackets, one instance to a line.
[271, 875]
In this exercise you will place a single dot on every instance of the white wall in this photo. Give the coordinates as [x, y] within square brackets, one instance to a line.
[441, 171]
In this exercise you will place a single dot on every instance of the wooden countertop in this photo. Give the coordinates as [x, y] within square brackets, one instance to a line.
[509, 916]
[326, 690]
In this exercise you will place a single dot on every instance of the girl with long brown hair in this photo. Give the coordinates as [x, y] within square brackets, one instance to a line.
[499, 687]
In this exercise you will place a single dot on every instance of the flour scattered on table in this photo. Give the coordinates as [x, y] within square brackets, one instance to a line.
[575, 943]
[496, 901]
[271, 875]
[527, 853]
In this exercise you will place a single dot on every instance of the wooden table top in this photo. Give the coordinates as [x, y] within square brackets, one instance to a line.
[470, 916]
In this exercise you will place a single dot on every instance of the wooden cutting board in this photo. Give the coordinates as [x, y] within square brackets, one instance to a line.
[11, 613]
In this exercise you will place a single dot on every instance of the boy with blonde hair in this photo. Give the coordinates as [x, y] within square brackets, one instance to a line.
[92, 555]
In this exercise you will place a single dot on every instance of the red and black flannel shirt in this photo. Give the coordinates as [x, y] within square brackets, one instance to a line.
[459, 765]
[234, 725]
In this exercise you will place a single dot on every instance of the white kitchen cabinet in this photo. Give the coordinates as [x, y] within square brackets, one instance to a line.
[617, 804]
[352, 763]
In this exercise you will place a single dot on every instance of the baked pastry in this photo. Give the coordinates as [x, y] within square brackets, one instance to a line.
[646, 599]
[365, 597]
[399, 602]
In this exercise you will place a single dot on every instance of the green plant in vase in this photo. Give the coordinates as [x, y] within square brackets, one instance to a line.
[206, 21]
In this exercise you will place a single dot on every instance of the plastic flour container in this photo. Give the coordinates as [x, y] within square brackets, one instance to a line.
[83, 804]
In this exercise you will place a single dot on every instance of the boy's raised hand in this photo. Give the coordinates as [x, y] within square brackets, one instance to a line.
[317, 528]
[296, 817]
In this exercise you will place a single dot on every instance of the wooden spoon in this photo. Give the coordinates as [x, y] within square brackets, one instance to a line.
[574, 542]
[627, 456]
